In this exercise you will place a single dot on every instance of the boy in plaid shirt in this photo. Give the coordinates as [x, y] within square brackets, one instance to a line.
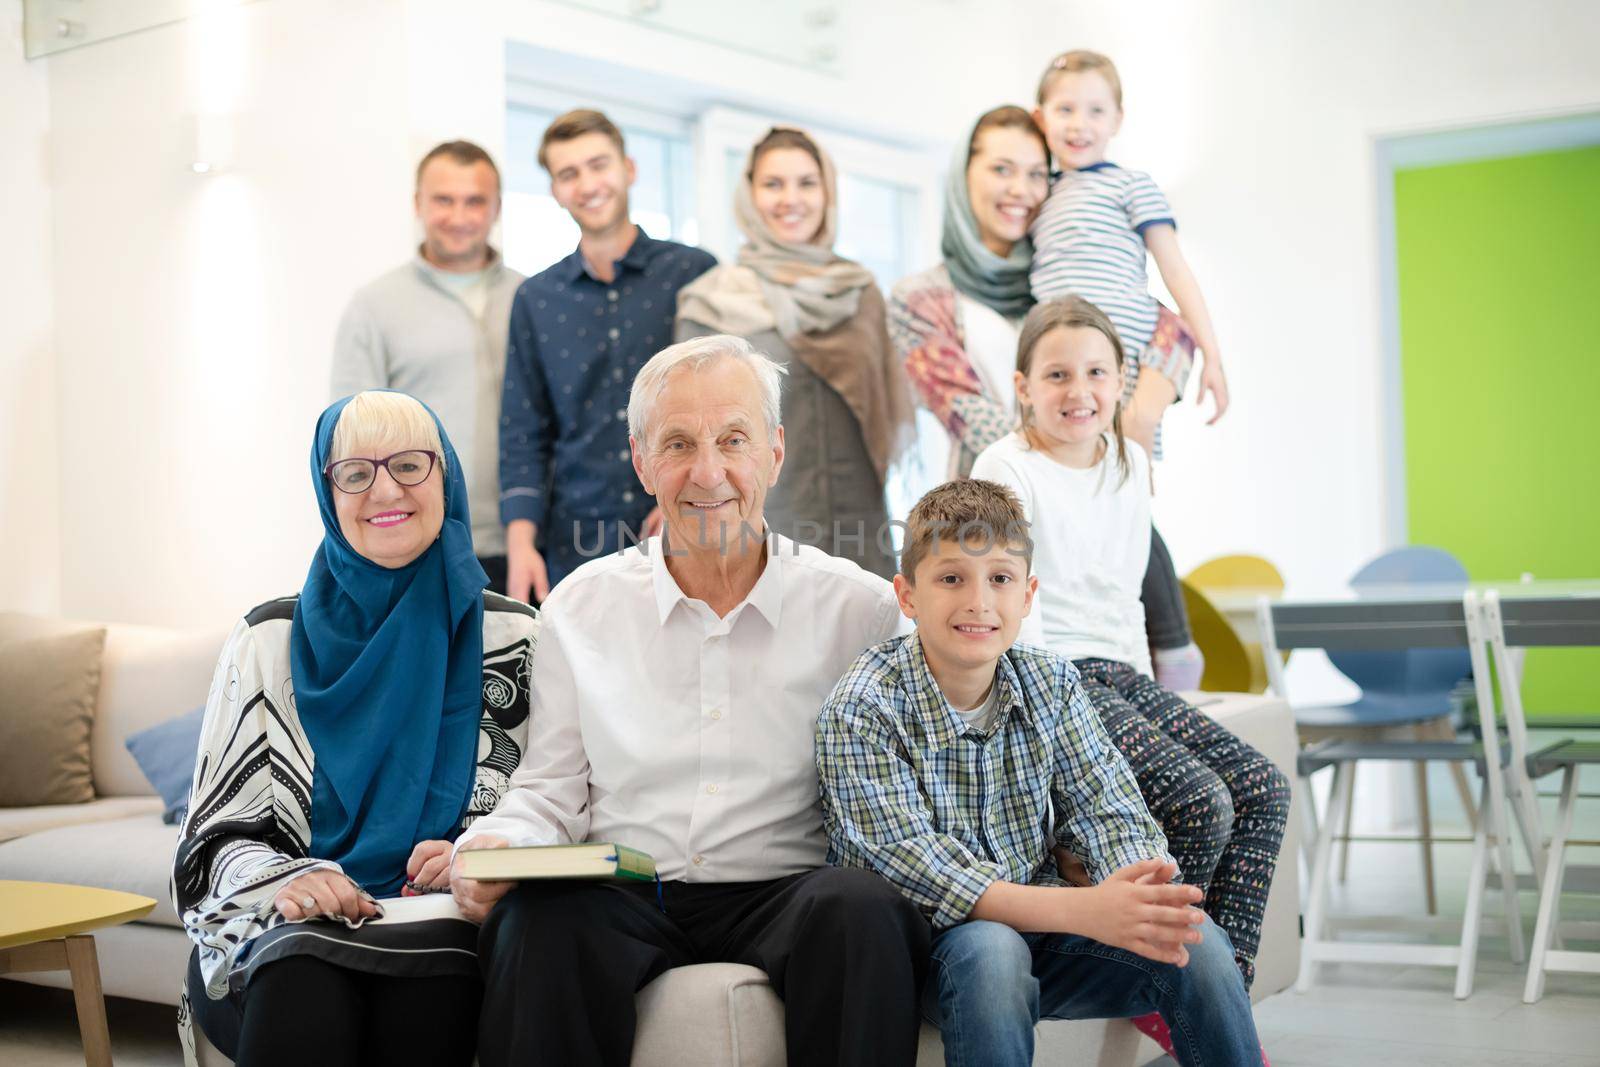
[953, 762]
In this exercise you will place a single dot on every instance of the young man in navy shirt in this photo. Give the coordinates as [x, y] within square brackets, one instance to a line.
[580, 330]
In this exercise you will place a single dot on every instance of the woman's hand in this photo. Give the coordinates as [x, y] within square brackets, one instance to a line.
[473, 897]
[429, 865]
[327, 893]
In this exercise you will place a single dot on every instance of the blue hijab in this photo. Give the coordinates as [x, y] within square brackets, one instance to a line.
[388, 683]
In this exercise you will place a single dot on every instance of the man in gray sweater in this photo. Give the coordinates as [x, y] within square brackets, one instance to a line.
[436, 328]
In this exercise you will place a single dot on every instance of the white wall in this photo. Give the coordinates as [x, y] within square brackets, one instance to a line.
[30, 577]
[193, 316]
[907, 69]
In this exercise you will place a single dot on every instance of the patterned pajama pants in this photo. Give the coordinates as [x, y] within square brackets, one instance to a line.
[1222, 804]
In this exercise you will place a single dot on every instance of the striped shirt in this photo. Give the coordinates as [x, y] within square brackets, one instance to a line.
[1088, 241]
[944, 810]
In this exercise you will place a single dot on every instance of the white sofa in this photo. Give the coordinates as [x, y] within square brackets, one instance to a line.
[709, 1014]
[117, 840]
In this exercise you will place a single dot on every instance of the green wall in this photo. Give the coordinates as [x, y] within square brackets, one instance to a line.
[1500, 363]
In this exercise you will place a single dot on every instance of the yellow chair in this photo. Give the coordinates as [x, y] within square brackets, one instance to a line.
[1231, 581]
[1232, 666]
[1233, 572]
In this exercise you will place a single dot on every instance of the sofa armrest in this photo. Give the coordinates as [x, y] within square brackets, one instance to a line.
[1266, 723]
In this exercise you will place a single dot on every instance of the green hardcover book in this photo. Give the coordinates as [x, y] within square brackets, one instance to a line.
[595, 860]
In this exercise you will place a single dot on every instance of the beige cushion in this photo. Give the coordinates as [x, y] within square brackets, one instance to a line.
[727, 1014]
[710, 1013]
[15, 822]
[148, 675]
[48, 688]
[133, 855]
[151, 675]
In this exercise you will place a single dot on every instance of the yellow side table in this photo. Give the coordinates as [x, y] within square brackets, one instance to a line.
[45, 927]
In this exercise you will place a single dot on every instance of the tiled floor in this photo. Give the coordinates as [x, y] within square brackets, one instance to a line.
[1372, 1015]
[1356, 1014]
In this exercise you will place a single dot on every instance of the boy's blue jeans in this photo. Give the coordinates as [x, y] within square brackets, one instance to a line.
[989, 985]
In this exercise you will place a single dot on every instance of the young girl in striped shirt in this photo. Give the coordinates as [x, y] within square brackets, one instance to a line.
[1090, 240]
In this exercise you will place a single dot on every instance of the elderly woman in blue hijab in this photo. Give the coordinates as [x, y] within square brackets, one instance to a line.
[351, 733]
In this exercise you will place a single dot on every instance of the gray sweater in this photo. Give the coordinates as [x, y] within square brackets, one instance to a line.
[406, 331]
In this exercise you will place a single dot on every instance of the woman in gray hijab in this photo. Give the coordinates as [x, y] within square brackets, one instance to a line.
[846, 408]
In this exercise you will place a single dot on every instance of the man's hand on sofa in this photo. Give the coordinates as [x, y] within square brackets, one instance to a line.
[327, 893]
[475, 898]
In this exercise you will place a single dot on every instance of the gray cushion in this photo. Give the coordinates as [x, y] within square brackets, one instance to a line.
[133, 855]
[17, 822]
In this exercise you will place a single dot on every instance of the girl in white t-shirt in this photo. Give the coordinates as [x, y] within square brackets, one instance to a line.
[1086, 492]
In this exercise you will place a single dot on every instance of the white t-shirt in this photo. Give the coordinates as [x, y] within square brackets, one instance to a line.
[1091, 545]
[981, 717]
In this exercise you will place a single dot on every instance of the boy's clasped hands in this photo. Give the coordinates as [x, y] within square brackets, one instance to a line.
[1139, 908]
[1141, 893]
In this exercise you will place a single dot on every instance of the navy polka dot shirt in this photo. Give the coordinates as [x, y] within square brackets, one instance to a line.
[576, 343]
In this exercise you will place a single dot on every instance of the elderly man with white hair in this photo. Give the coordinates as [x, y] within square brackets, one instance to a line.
[676, 690]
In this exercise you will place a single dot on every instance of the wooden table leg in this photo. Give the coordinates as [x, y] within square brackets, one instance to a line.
[84, 966]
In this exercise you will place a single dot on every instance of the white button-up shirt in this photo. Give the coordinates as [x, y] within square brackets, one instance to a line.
[660, 726]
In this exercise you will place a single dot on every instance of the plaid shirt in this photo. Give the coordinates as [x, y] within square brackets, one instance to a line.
[944, 811]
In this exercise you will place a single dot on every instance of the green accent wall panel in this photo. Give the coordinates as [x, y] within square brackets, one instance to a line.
[1499, 276]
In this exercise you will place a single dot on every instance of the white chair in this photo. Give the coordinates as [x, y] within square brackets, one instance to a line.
[1543, 620]
[1569, 757]
[1371, 624]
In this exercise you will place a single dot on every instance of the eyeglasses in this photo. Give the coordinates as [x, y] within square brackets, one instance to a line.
[411, 467]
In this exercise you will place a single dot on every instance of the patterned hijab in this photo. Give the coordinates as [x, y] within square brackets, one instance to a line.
[387, 667]
[827, 308]
[976, 271]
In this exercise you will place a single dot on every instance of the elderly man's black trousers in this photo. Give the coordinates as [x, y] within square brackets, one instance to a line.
[562, 961]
